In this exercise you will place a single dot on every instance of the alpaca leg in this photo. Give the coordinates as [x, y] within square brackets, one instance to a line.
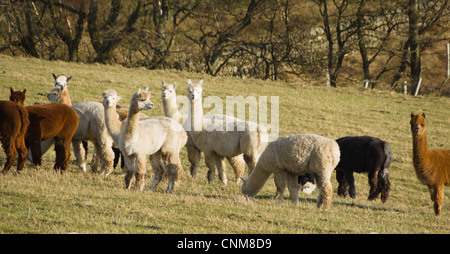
[22, 151]
[141, 168]
[106, 156]
[35, 148]
[292, 184]
[222, 169]
[171, 164]
[325, 191]
[129, 161]
[251, 160]
[212, 163]
[383, 184]
[373, 183]
[343, 185]
[238, 165]
[158, 169]
[439, 199]
[10, 151]
[78, 150]
[194, 157]
[351, 182]
[117, 155]
[62, 150]
[280, 180]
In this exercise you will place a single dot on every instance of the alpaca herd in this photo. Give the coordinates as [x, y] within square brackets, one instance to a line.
[296, 161]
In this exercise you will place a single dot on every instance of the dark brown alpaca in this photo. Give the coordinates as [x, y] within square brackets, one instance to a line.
[432, 166]
[54, 120]
[13, 126]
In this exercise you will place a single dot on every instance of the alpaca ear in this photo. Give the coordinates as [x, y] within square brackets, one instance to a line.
[139, 90]
[174, 85]
[11, 90]
[24, 91]
[67, 80]
[146, 89]
[243, 179]
[118, 98]
[189, 82]
[163, 82]
[201, 82]
[423, 114]
[412, 114]
[54, 76]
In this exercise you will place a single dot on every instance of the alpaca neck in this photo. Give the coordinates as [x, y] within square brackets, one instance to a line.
[420, 149]
[132, 120]
[170, 107]
[255, 181]
[112, 123]
[66, 97]
[196, 115]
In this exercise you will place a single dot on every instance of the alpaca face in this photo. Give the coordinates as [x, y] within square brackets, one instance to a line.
[418, 123]
[110, 98]
[61, 80]
[168, 91]
[17, 96]
[54, 94]
[195, 90]
[143, 100]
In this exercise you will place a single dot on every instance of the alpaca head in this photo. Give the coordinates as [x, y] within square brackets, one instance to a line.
[417, 124]
[195, 90]
[110, 98]
[168, 90]
[61, 80]
[17, 96]
[55, 94]
[141, 100]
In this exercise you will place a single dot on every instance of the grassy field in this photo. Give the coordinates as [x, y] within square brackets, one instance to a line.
[45, 202]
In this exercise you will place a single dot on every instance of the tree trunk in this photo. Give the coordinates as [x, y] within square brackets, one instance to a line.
[414, 48]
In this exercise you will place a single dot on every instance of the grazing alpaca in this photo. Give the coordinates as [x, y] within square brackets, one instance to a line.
[161, 138]
[432, 166]
[364, 154]
[54, 120]
[212, 137]
[169, 99]
[290, 156]
[13, 126]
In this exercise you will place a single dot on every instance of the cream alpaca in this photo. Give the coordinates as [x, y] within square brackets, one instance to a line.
[169, 99]
[213, 139]
[159, 137]
[290, 156]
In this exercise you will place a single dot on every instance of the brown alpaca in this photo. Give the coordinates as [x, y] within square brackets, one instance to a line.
[13, 126]
[432, 166]
[54, 120]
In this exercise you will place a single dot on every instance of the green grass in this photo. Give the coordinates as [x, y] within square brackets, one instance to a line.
[45, 202]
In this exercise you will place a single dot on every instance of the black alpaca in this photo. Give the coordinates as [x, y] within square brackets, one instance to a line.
[364, 154]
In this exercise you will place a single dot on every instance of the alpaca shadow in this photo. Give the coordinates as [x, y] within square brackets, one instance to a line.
[334, 203]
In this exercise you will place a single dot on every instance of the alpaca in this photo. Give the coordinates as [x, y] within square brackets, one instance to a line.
[13, 126]
[161, 138]
[54, 120]
[61, 86]
[169, 99]
[290, 156]
[213, 139]
[364, 154]
[91, 127]
[432, 166]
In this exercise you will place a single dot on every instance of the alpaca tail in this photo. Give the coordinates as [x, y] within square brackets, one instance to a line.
[24, 118]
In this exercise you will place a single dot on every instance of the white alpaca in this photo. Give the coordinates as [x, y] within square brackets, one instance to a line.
[91, 127]
[213, 138]
[169, 99]
[161, 138]
[290, 156]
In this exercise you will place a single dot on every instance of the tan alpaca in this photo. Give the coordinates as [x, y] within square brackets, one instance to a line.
[169, 99]
[159, 137]
[291, 156]
[212, 137]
